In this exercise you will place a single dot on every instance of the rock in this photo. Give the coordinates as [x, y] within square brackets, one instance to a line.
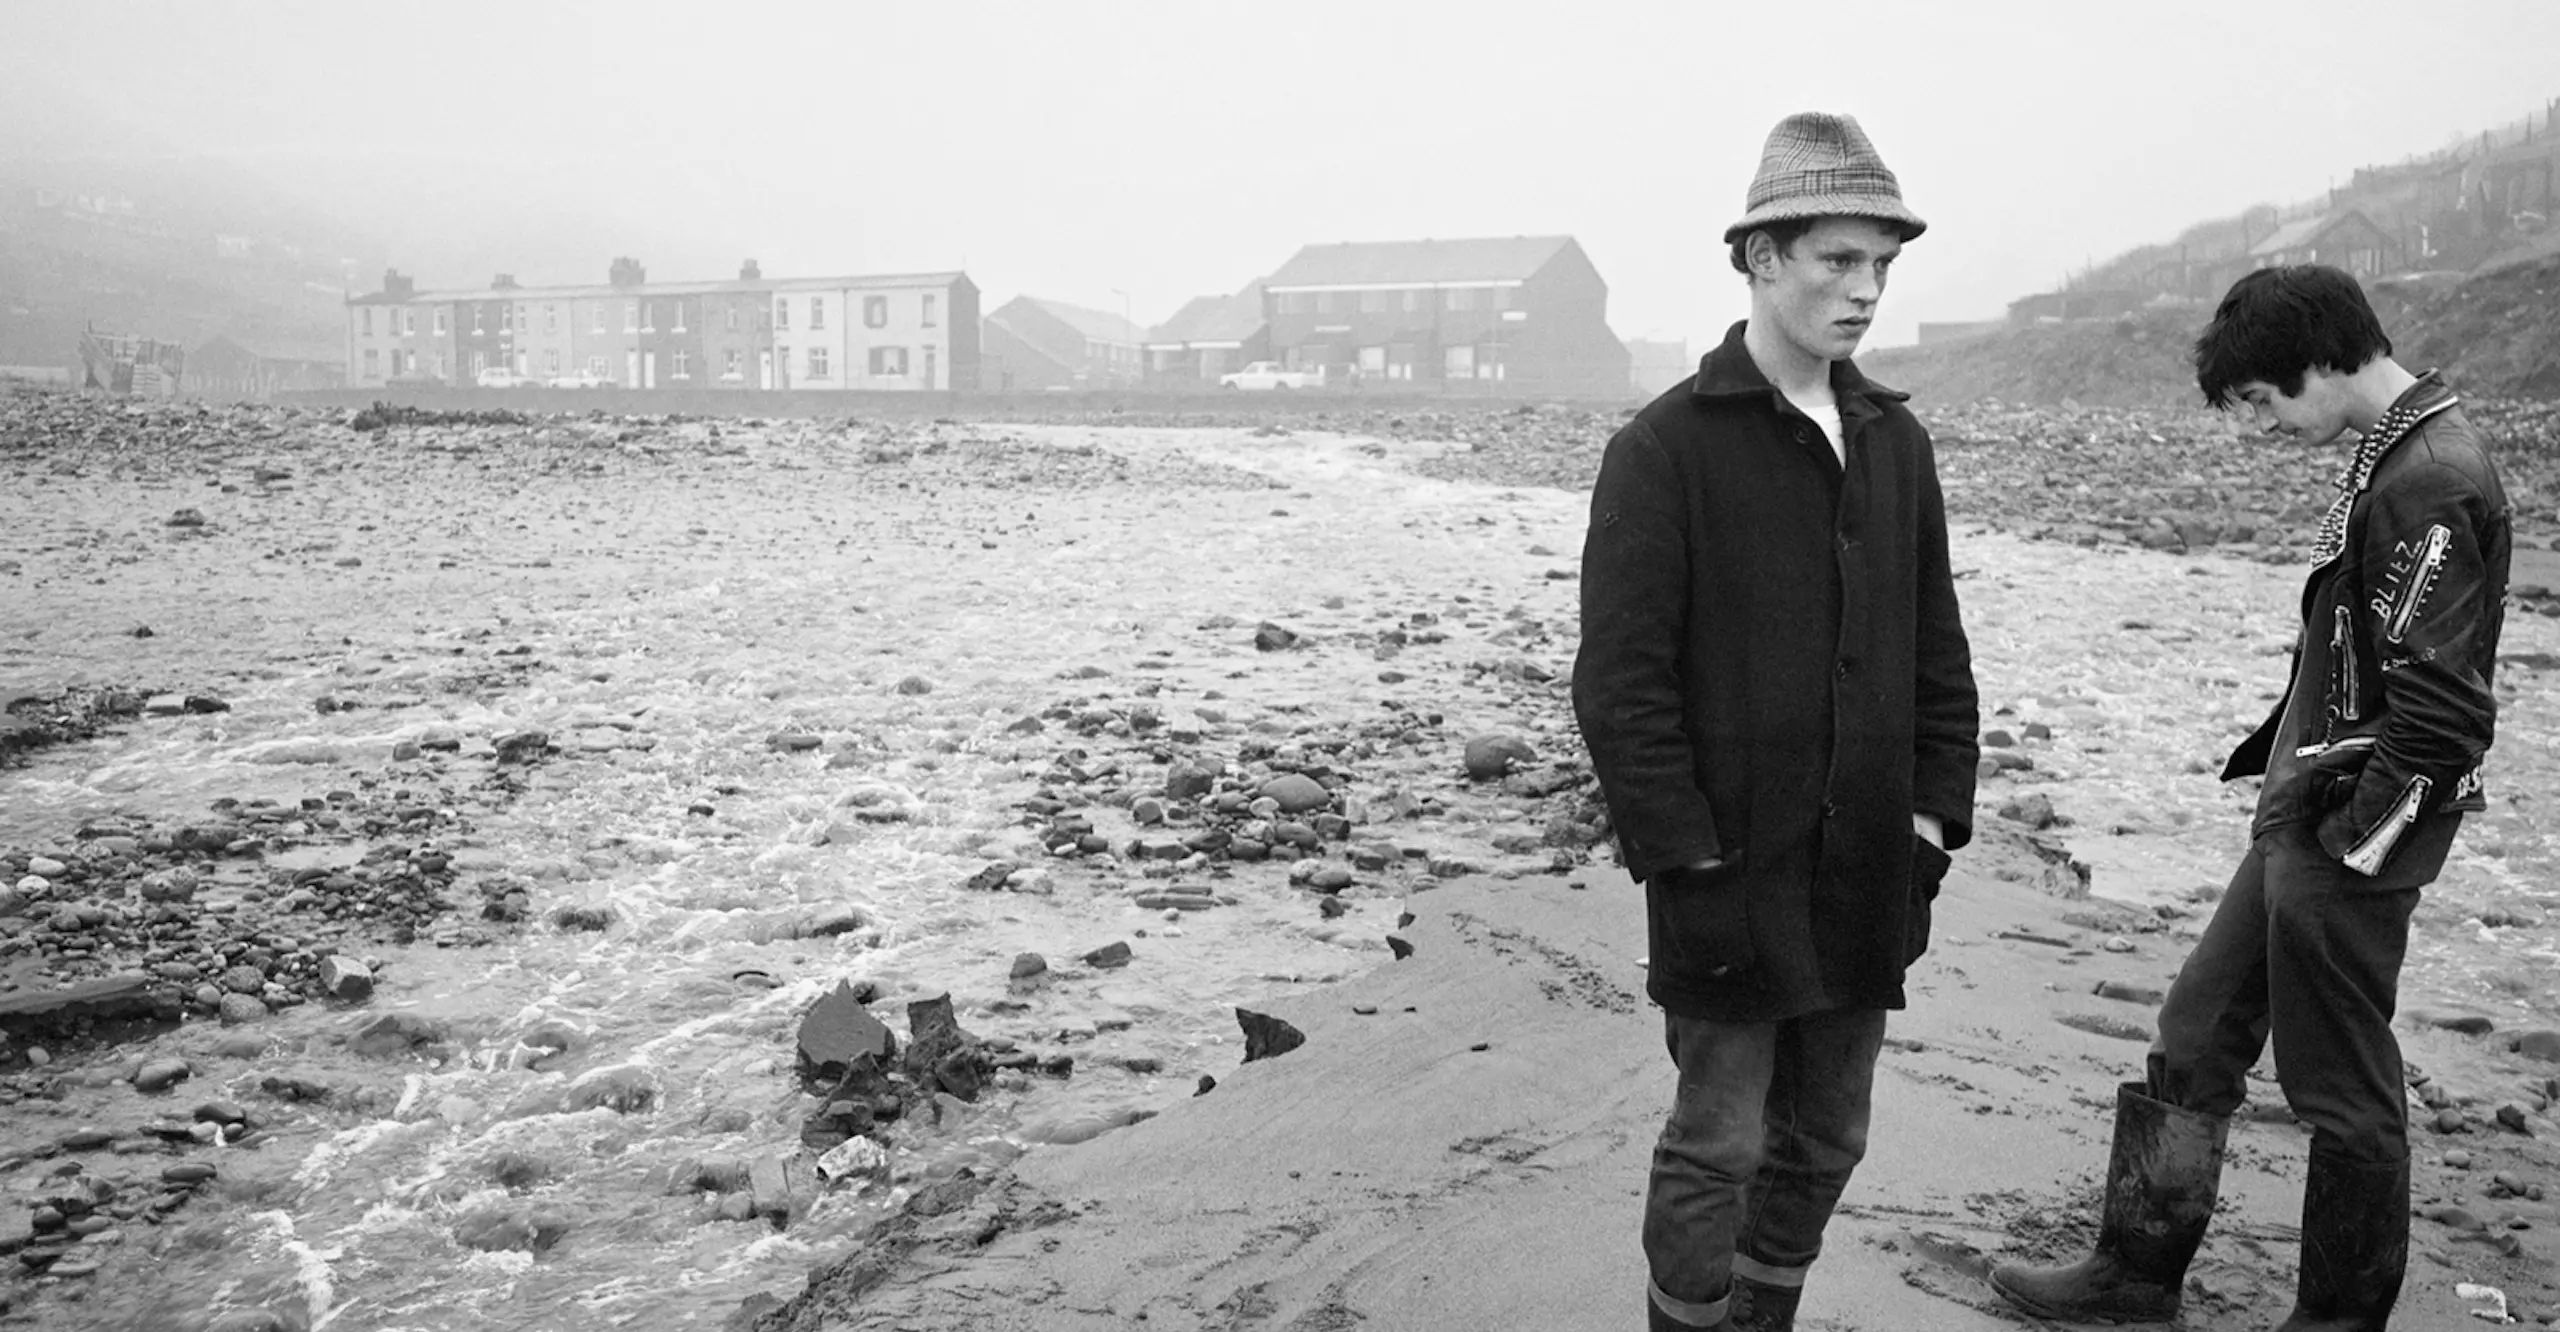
[2512, 1118]
[345, 979]
[390, 1034]
[2468, 1024]
[1146, 811]
[915, 684]
[496, 1227]
[238, 1008]
[625, 1089]
[1491, 756]
[794, 742]
[991, 878]
[187, 1172]
[1028, 965]
[47, 866]
[1190, 779]
[1296, 793]
[1269, 637]
[939, 1053]
[1330, 879]
[189, 517]
[2035, 811]
[2543, 1045]
[1267, 1037]
[160, 1074]
[1109, 956]
[837, 1030]
[249, 1320]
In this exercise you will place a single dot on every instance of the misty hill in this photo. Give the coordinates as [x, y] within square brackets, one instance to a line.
[100, 225]
[2496, 333]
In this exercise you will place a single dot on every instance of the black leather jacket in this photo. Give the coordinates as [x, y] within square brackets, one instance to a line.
[2380, 737]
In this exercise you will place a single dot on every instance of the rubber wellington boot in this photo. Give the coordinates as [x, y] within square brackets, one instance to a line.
[2163, 1174]
[1657, 1320]
[2355, 1245]
[1761, 1307]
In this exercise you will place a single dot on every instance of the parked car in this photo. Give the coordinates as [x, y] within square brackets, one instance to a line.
[1271, 375]
[578, 379]
[498, 376]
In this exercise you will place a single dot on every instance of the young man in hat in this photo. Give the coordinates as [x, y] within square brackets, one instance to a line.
[1779, 703]
[2370, 761]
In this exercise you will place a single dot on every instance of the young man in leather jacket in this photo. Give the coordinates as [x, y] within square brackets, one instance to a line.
[2369, 763]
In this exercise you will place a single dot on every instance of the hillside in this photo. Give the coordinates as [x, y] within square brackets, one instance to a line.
[2496, 333]
[99, 225]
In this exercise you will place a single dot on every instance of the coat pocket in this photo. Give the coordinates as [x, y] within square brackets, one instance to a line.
[1705, 921]
[1929, 867]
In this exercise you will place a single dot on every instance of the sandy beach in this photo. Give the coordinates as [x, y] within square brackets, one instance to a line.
[985, 631]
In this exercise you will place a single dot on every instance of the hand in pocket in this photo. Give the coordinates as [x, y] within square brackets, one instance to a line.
[1709, 915]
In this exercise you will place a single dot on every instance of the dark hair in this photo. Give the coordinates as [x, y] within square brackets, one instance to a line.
[1785, 231]
[2276, 324]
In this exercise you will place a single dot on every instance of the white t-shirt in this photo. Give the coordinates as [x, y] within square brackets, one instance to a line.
[1828, 417]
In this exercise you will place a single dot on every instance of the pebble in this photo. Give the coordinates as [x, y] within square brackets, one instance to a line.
[2543, 1045]
[160, 1074]
[1028, 965]
[1493, 755]
[1296, 793]
[46, 866]
[344, 978]
[235, 1009]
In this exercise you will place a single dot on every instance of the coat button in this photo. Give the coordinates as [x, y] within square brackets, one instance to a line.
[1830, 810]
[1841, 670]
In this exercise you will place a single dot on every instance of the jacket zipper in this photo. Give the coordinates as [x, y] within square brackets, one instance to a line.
[2342, 651]
[2420, 581]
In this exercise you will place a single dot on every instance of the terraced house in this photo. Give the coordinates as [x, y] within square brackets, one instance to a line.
[1499, 315]
[891, 333]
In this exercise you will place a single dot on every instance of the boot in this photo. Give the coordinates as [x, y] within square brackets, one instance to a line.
[1761, 1307]
[2355, 1244]
[1655, 1320]
[2163, 1174]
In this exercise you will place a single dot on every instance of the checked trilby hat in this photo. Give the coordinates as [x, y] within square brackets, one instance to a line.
[1821, 165]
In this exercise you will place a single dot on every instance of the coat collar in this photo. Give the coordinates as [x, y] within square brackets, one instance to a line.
[1729, 372]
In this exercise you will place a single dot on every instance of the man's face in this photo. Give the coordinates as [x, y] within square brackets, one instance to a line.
[1822, 293]
[2316, 416]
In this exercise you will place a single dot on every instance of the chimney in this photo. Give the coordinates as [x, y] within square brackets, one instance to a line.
[503, 282]
[748, 272]
[627, 272]
[395, 285]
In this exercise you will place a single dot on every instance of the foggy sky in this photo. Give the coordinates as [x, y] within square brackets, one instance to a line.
[1127, 154]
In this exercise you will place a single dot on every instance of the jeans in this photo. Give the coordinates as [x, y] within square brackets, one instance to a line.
[1769, 1121]
[2308, 950]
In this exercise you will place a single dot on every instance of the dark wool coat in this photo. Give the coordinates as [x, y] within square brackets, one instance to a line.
[1773, 672]
[2380, 737]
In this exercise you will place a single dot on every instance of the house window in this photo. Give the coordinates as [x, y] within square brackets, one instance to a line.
[729, 364]
[1373, 361]
[684, 364]
[372, 362]
[875, 312]
[1460, 298]
[649, 318]
[733, 318]
[479, 362]
[928, 309]
[631, 316]
[1460, 362]
[1400, 359]
[817, 362]
[439, 321]
[506, 318]
[408, 322]
[595, 366]
[1412, 300]
[817, 313]
[551, 361]
[888, 360]
[782, 312]
[1373, 302]
[368, 321]
[599, 317]
[551, 319]
[679, 316]
[928, 367]
[478, 318]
